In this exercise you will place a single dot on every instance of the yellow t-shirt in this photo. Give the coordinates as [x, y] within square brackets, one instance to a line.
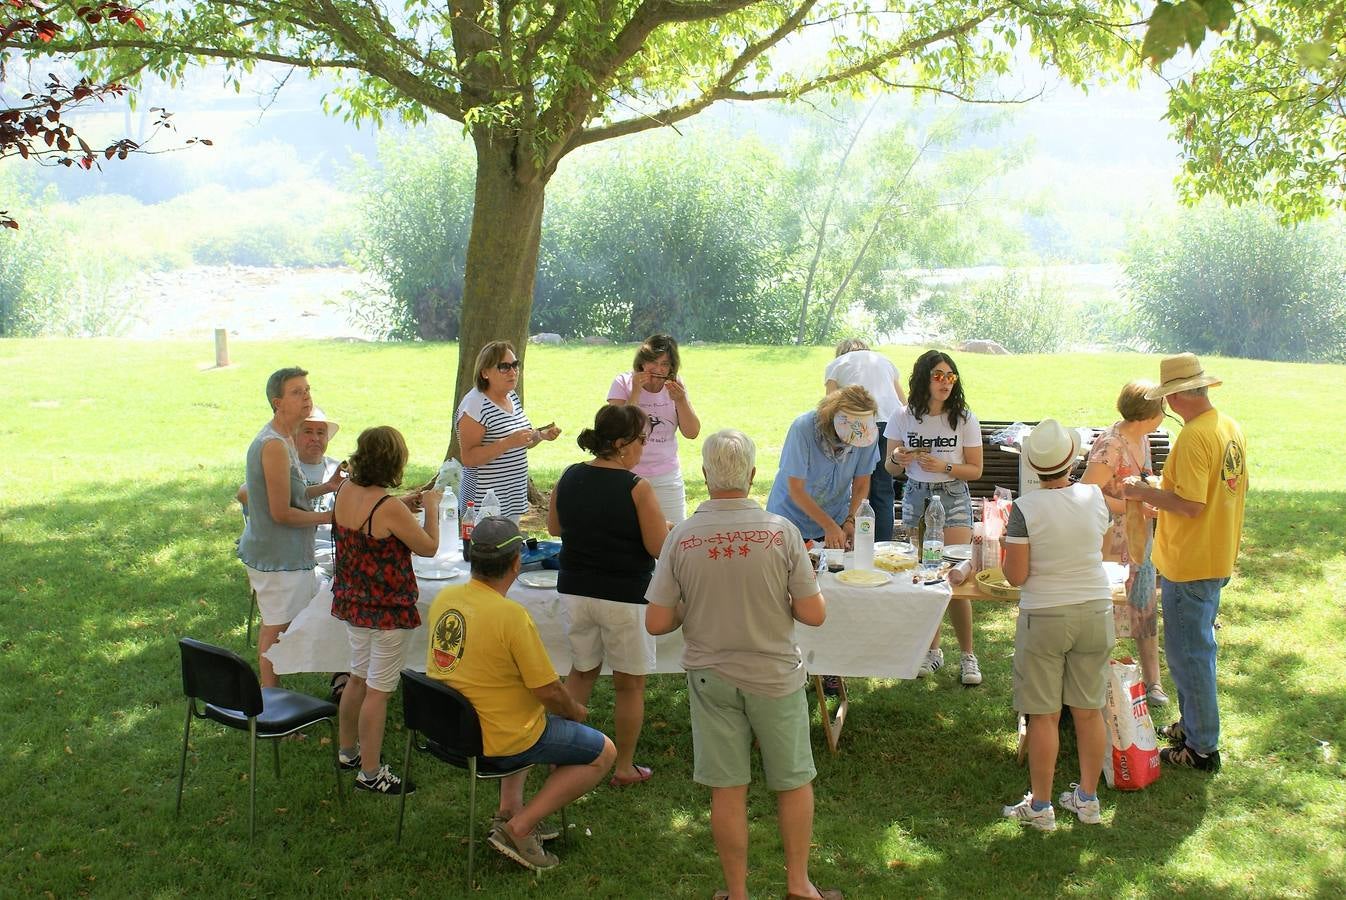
[1209, 465]
[487, 647]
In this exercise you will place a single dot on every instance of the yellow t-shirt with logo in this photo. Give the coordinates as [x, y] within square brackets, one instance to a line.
[1209, 465]
[487, 647]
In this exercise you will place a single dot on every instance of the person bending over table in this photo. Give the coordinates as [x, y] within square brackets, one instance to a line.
[1064, 634]
[855, 363]
[494, 435]
[938, 445]
[1122, 452]
[374, 592]
[824, 467]
[654, 386]
[736, 578]
[487, 647]
[611, 529]
[276, 546]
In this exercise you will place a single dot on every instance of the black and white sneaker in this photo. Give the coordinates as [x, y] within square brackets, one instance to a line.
[1173, 733]
[384, 782]
[348, 762]
[1187, 758]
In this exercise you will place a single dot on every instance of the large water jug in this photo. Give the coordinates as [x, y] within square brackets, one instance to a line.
[932, 544]
[490, 505]
[450, 548]
[864, 536]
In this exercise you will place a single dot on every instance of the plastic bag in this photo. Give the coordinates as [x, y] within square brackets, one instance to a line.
[1132, 762]
[1010, 435]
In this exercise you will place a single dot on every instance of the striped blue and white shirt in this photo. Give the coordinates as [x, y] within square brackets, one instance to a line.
[507, 474]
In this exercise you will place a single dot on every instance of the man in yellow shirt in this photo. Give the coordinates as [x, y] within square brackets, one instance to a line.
[1200, 508]
[487, 647]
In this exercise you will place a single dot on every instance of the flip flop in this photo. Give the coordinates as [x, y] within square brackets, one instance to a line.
[721, 894]
[338, 685]
[642, 774]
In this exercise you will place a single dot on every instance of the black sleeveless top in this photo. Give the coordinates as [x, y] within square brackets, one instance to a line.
[602, 554]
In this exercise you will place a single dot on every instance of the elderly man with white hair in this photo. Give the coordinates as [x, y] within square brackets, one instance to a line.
[736, 578]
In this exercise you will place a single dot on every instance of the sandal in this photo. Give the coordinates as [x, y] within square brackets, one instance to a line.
[339, 680]
[643, 773]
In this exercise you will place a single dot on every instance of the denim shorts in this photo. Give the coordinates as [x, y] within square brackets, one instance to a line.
[563, 743]
[955, 496]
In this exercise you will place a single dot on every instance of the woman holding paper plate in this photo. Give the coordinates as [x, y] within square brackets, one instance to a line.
[611, 530]
[936, 440]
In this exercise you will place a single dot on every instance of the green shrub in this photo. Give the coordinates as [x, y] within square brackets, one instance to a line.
[1023, 312]
[1234, 282]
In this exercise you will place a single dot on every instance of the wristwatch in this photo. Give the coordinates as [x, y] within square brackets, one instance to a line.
[948, 468]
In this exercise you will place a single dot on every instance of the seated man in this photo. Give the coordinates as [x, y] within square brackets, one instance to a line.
[736, 578]
[488, 648]
[310, 444]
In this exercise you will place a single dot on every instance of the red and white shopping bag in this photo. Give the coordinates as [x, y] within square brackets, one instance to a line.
[1132, 761]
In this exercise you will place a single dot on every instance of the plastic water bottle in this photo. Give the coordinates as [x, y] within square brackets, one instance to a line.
[469, 520]
[448, 527]
[932, 545]
[490, 505]
[864, 536]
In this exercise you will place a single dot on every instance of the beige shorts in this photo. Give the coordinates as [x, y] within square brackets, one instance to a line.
[376, 655]
[281, 595]
[605, 631]
[1061, 657]
[725, 720]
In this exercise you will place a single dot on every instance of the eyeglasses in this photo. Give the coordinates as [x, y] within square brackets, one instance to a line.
[942, 377]
[503, 367]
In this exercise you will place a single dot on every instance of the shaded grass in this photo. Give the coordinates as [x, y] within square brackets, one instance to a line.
[116, 538]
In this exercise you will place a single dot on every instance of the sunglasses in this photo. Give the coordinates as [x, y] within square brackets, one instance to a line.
[503, 367]
[942, 377]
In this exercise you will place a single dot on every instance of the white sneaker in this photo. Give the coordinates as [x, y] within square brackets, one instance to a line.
[1155, 696]
[971, 670]
[933, 662]
[1089, 811]
[1042, 819]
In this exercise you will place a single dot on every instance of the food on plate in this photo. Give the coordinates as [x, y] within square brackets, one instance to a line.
[891, 561]
[863, 578]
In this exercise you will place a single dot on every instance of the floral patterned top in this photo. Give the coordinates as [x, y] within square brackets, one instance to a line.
[373, 585]
[1111, 449]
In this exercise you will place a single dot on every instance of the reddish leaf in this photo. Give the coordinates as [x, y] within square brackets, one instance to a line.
[86, 162]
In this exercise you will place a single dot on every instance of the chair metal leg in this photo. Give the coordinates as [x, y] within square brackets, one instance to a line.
[471, 817]
[275, 755]
[252, 777]
[565, 829]
[336, 761]
[252, 613]
[182, 768]
[406, 777]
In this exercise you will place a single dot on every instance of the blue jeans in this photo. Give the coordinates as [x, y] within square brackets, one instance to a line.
[562, 743]
[881, 493]
[1189, 610]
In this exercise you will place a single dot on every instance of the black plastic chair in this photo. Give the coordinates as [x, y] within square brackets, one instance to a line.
[233, 697]
[453, 734]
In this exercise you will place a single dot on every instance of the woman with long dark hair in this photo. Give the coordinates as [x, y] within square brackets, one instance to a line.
[936, 440]
[611, 531]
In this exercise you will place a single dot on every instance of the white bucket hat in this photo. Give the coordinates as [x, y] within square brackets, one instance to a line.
[319, 416]
[1049, 447]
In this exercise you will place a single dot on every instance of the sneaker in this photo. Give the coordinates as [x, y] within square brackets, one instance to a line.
[1173, 733]
[527, 851]
[1155, 696]
[1188, 758]
[1042, 819]
[1088, 811]
[971, 671]
[348, 762]
[545, 829]
[384, 782]
[933, 662]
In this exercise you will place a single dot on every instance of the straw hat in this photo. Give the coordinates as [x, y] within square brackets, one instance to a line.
[1050, 448]
[319, 416]
[1180, 373]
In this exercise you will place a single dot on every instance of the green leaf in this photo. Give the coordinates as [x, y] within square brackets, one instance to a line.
[1314, 54]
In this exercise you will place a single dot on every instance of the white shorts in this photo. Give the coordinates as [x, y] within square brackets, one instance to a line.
[671, 494]
[605, 631]
[281, 595]
[376, 655]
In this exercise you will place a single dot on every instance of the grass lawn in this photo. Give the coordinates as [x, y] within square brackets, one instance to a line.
[117, 530]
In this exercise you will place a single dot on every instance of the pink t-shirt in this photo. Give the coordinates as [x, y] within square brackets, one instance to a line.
[661, 447]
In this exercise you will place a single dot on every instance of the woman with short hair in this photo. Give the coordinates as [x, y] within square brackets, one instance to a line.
[611, 530]
[494, 434]
[374, 592]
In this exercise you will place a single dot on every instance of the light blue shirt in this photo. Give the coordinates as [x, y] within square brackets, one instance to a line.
[266, 545]
[827, 478]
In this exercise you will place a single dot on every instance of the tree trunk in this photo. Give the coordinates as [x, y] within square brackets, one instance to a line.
[501, 260]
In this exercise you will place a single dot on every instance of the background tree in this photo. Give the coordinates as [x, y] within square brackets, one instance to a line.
[1235, 282]
[533, 80]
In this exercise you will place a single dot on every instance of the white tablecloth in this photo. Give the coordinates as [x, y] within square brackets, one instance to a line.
[880, 632]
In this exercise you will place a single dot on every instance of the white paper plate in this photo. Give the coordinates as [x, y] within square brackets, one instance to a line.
[863, 578]
[957, 552]
[540, 579]
[901, 547]
[432, 572]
